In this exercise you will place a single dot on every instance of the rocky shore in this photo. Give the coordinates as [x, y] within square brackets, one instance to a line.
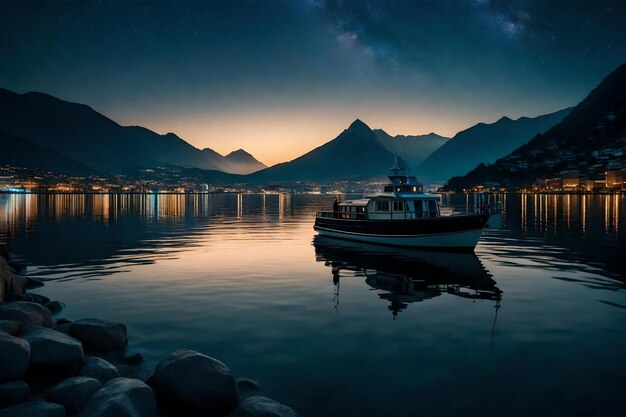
[56, 367]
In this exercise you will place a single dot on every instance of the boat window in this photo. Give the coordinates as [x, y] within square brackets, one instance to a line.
[419, 209]
[398, 206]
[432, 208]
[382, 206]
[414, 189]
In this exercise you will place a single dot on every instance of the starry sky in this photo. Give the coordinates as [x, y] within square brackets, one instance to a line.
[280, 77]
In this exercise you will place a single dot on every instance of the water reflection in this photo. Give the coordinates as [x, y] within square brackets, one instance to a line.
[404, 276]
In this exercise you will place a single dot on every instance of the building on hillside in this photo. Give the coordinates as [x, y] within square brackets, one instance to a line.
[615, 179]
[570, 180]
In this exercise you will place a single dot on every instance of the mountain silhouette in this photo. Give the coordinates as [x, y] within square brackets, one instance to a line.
[413, 149]
[357, 153]
[483, 143]
[22, 153]
[86, 136]
[590, 137]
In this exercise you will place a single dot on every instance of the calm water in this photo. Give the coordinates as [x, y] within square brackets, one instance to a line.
[533, 324]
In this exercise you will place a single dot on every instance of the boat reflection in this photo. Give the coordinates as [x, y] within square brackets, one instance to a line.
[405, 276]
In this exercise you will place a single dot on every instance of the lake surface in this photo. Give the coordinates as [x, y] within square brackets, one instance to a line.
[533, 324]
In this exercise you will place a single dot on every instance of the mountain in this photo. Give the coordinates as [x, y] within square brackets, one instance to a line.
[590, 140]
[357, 153]
[484, 143]
[84, 135]
[413, 149]
[22, 153]
[241, 162]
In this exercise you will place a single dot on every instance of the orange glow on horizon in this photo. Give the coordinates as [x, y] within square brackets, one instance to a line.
[275, 135]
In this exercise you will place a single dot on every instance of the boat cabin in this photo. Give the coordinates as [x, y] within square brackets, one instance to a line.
[403, 198]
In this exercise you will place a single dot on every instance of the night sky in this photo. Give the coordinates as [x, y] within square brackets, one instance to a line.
[281, 77]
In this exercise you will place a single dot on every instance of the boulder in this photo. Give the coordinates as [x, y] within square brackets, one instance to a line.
[121, 397]
[247, 388]
[13, 392]
[33, 283]
[54, 306]
[18, 266]
[34, 409]
[73, 393]
[134, 358]
[38, 298]
[99, 369]
[14, 357]
[100, 334]
[197, 381]
[6, 276]
[12, 327]
[258, 406]
[29, 314]
[54, 353]
[18, 284]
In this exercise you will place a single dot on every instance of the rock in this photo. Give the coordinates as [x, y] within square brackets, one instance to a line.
[14, 296]
[38, 298]
[18, 266]
[34, 409]
[54, 306]
[262, 407]
[133, 359]
[14, 357]
[99, 369]
[121, 397]
[33, 283]
[73, 393]
[6, 276]
[63, 321]
[18, 284]
[29, 314]
[100, 334]
[63, 328]
[13, 392]
[12, 327]
[247, 388]
[197, 381]
[54, 353]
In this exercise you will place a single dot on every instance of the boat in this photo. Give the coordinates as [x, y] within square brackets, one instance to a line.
[402, 215]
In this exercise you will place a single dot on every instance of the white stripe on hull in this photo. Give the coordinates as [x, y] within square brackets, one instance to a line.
[466, 239]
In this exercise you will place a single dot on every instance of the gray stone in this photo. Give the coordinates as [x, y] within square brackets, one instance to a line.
[99, 369]
[134, 358]
[14, 357]
[34, 409]
[14, 392]
[262, 407]
[247, 388]
[33, 283]
[29, 314]
[54, 306]
[63, 328]
[121, 397]
[196, 380]
[12, 327]
[38, 298]
[18, 283]
[73, 393]
[100, 334]
[54, 351]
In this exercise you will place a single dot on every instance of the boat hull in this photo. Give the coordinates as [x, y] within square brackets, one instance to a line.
[443, 233]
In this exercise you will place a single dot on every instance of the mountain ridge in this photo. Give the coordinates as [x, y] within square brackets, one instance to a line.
[590, 139]
[79, 132]
[484, 143]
